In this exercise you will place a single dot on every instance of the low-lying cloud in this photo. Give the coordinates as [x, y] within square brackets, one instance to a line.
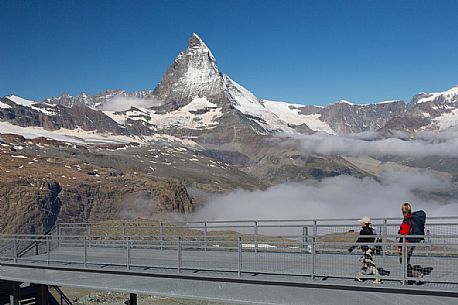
[122, 103]
[424, 144]
[337, 197]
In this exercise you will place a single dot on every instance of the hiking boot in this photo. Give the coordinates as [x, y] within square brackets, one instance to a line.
[377, 282]
[358, 279]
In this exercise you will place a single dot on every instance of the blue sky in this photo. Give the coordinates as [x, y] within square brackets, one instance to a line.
[310, 52]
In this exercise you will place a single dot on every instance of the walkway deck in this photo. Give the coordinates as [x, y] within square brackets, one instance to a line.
[210, 275]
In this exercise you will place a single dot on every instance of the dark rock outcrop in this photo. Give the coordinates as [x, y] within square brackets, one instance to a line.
[29, 205]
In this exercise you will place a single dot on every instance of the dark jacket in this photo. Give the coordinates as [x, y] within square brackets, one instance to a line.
[366, 236]
[363, 235]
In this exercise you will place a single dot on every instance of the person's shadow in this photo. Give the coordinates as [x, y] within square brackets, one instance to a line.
[418, 272]
[426, 270]
[383, 272]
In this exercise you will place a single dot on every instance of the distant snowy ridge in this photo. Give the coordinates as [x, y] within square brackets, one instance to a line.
[450, 95]
[41, 107]
[20, 101]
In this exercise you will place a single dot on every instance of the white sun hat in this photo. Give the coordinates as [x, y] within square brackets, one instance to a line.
[364, 220]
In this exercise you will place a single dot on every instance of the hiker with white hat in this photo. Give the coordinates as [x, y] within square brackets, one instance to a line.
[366, 236]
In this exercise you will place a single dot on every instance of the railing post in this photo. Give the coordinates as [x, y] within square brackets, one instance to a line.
[305, 233]
[48, 250]
[85, 252]
[255, 229]
[162, 235]
[428, 241]
[239, 250]
[42, 297]
[58, 235]
[384, 236]
[313, 271]
[123, 230]
[128, 253]
[404, 261]
[15, 250]
[314, 235]
[179, 254]
[36, 248]
[89, 233]
[205, 236]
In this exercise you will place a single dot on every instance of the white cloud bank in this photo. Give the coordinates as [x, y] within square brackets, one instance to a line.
[337, 197]
[424, 144]
[122, 103]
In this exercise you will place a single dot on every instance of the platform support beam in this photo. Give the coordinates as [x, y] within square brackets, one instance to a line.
[133, 299]
[15, 295]
[42, 295]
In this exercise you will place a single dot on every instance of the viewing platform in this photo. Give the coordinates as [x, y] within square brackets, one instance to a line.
[246, 262]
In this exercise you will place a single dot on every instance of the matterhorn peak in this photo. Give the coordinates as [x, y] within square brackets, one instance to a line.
[196, 45]
[192, 74]
[196, 42]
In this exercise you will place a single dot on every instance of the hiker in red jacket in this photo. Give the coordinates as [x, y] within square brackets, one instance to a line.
[405, 230]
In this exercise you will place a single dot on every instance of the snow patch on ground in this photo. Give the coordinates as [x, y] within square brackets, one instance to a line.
[48, 109]
[86, 137]
[198, 114]
[19, 157]
[4, 106]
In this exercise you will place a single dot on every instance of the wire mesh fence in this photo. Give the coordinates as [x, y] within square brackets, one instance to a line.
[312, 250]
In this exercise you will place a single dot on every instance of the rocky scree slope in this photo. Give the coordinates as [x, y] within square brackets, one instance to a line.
[37, 190]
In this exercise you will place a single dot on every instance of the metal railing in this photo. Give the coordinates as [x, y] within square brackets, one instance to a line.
[444, 225]
[64, 300]
[34, 245]
[314, 257]
[311, 248]
[206, 231]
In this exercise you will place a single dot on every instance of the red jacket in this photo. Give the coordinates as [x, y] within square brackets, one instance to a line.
[405, 227]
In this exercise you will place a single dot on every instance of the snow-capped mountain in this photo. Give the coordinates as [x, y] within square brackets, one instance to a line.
[193, 74]
[441, 108]
[194, 77]
[195, 100]
[446, 97]
[194, 96]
